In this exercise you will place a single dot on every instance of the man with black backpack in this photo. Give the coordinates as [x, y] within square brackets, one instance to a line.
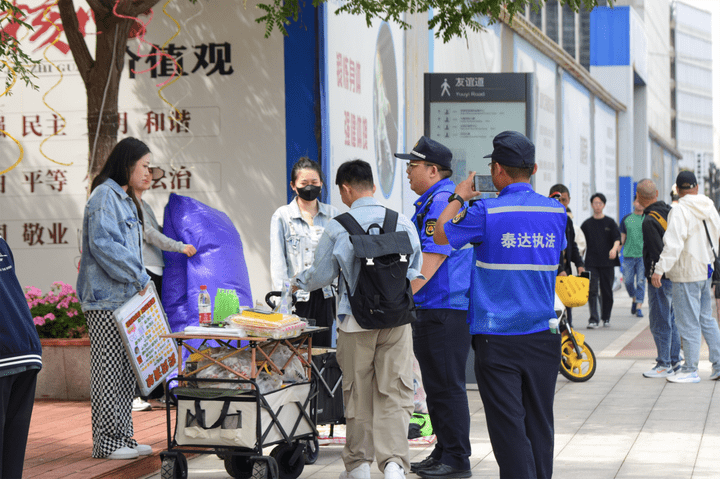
[375, 252]
[441, 337]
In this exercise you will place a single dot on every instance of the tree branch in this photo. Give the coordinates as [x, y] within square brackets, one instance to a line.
[98, 7]
[142, 7]
[83, 58]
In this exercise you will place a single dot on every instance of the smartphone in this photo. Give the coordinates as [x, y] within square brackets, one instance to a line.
[484, 184]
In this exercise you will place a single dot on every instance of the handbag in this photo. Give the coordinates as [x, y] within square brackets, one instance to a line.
[716, 263]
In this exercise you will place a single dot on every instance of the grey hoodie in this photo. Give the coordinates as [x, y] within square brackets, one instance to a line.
[686, 251]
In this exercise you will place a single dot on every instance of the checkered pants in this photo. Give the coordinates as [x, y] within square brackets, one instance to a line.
[112, 385]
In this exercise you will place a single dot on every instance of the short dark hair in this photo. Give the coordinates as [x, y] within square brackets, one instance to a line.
[516, 173]
[559, 188]
[445, 172]
[305, 163]
[355, 173]
[600, 196]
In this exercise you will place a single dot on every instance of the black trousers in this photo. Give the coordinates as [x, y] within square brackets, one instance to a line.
[601, 279]
[516, 376]
[17, 396]
[322, 310]
[441, 342]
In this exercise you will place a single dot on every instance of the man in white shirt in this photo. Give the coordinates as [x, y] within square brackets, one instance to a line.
[686, 260]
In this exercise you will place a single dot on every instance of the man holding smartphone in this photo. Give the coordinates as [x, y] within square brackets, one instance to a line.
[517, 240]
[441, 338]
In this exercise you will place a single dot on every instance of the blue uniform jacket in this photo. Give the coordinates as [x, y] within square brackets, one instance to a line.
[448, 287]
[518, 237]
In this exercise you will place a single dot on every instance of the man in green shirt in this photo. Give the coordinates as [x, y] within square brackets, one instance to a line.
[631, 238]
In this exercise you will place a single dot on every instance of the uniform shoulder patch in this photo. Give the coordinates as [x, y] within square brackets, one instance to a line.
[430, 226]
[459, 217]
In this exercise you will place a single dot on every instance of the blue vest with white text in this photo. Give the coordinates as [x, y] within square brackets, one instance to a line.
[513, 279]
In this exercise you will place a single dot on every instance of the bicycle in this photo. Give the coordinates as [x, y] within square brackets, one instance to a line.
[577, 362]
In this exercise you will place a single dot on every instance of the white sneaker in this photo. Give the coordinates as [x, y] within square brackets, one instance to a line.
[394, 471]
[684, 377]
[360, 472]
[124, 453]
[659, 372]
[140, 405]
[143, 449]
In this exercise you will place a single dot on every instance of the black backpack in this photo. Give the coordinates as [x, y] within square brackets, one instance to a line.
[383, 297]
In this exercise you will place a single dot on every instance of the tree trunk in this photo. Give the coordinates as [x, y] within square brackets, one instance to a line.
[102, 90]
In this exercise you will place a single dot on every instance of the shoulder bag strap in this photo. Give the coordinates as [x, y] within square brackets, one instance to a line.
[390, 222]
[709, 239]
[350, 224]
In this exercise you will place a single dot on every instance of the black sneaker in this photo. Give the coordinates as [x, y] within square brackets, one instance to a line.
[592, 325]
[633, 308]
[443, 471]
[426, 463]
[606, 323]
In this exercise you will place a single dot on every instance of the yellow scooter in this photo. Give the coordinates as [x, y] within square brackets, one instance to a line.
[578, 361]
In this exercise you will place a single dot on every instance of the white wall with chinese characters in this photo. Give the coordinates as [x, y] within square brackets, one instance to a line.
[231, 156]
[529, 59]
[365, 80]
[577, 161]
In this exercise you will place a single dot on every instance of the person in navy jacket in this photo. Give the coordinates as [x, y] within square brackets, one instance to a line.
[20, 362]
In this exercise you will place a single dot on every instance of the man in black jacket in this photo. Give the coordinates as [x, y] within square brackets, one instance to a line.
[20, 362]
[571, 253]
[662, 319]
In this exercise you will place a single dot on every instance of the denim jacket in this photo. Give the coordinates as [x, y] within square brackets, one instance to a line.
[293, 242]
[111, 265]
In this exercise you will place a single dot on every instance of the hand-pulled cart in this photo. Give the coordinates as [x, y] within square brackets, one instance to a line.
[236, 417]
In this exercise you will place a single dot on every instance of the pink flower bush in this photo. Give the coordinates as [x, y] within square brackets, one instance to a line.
[56, 314]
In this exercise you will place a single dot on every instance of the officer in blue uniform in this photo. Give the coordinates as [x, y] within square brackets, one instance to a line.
[517, 239]
[441, 337]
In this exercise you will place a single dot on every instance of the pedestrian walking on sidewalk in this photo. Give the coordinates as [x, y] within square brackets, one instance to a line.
[603, 247]
[111, 272]
[686, 259]
[20, 363]
[661, 317]
[631, 240]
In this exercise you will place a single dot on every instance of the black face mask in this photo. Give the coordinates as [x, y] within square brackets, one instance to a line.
[309, 193]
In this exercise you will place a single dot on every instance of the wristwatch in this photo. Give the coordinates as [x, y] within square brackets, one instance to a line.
[457, 197]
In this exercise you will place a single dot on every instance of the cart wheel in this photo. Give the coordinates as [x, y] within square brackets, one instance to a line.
[289, 460]
[312, 450]
[174, 467]
[260, 471]
[239, 467]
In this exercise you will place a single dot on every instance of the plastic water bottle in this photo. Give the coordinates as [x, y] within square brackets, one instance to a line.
[553, 325]
[204, 307]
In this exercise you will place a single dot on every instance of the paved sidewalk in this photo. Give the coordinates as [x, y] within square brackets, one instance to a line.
[617, 425]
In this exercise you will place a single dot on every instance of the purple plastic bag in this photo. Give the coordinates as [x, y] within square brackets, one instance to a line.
[218, 263]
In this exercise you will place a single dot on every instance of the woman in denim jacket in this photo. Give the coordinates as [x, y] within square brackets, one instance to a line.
[294, 233]
[111, 272]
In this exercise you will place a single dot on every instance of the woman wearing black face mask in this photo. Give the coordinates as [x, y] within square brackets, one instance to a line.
[294, 233]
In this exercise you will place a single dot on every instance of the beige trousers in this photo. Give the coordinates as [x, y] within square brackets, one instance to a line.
[378, 393]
